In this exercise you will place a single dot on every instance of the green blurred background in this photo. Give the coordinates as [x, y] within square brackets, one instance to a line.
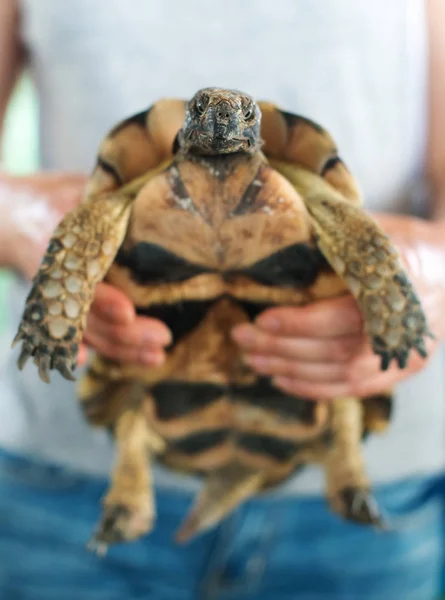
[20, 152]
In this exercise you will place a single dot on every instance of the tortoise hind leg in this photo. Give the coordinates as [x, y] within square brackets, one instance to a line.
[377, 412]
[348, 488]
[128, 506]
[104, 392]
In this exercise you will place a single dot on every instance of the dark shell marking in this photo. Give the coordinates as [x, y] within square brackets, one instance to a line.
[212, 243]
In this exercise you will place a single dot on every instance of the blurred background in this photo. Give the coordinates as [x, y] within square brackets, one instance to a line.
[20, 153]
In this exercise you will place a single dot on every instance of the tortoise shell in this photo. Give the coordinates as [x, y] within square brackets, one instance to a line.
[205, 213]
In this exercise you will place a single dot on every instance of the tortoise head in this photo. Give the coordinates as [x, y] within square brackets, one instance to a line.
[220, 121]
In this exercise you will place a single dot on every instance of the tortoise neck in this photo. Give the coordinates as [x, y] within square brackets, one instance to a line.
[223, 165]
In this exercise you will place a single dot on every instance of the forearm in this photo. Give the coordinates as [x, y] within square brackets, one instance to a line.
[4, 209]
[11, 62]
[12, 53]
[30, 208]
[26, 216]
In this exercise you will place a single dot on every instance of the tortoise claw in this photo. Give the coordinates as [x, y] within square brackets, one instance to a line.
[16, 340]
[360, 506]
[25, 354]
[385, 360]
[99, 548]
[405, 331]
[48, 353]
[421, 348]
[44, 364]
[400, 355]
[402, 358]
[61, 365]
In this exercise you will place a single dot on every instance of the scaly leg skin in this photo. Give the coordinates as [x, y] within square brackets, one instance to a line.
[78, 256]
[362, 254]
[129, 508]
[348, 488]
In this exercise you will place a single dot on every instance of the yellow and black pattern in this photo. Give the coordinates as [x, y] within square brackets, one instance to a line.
[210, 212]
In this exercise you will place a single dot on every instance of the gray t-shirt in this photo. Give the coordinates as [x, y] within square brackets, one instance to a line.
[359, 68]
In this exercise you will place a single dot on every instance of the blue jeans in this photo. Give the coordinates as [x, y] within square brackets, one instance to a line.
[273, 548]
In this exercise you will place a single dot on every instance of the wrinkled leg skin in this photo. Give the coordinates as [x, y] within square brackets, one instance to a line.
[128, 506]
[348, 488]
[79, 254]
[102, 397]
[377, 412]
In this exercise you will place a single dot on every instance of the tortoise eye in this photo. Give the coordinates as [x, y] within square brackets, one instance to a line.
[249, 113]
[200, 106]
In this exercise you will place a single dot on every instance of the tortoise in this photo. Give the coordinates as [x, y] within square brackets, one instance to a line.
[205, 213]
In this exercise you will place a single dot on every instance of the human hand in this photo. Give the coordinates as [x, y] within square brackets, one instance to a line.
[320, 351]
[30, 209]
[114, 330]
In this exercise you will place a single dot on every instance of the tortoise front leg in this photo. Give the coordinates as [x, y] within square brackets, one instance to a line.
[79, 254]
[371, 268]
[363, 256]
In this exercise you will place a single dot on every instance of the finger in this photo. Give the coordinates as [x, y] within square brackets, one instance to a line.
[57, 181]
[111, 304]
[82, 355]
[310, 372]
[338, 349]
[377, 383]
[310, 390]
[66, 190]
[154, 329]
[322, 319]
[142, 333]
[123, 353]
[71, 194]
[366, 376]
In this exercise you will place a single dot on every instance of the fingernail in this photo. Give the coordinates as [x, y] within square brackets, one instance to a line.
[244, 335]
[256, 361]
[152, 359]
[156, 338]
[110, 311]
[281, 381]
[269, 323]
[116, 313]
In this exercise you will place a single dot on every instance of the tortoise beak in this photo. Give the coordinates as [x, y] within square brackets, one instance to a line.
[222, 121]
[220, 131]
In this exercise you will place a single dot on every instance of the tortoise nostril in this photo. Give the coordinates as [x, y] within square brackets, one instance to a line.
[223, 114]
